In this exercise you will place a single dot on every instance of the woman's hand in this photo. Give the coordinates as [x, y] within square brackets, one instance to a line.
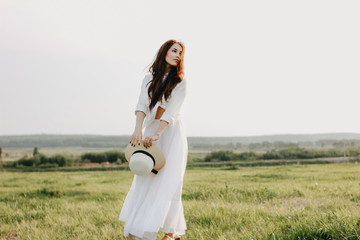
[147, 142]
[149, 139]
[136, 137]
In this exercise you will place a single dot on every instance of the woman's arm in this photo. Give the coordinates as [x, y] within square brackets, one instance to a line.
[137, 135]
[174, 105]
[143, 101]
[141, 110]
[148, 140]
[172, 108]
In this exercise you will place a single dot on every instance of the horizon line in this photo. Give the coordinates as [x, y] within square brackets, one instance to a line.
[210, 136]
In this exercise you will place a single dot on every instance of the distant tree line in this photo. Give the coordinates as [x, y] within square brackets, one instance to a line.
[266, 145]
[286, 153]
[40, 160]
[260, 143]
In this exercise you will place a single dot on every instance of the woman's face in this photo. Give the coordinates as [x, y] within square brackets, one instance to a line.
[173, 55]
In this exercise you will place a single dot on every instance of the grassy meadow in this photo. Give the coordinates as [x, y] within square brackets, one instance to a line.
[278, 202]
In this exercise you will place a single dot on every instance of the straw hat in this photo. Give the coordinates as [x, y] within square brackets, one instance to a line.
[143, 160]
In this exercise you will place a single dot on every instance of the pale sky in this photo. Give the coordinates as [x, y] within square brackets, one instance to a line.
[252, 67]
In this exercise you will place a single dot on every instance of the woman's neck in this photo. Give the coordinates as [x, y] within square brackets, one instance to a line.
[167, 69]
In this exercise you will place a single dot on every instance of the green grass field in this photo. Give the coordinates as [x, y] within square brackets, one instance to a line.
[279, 202]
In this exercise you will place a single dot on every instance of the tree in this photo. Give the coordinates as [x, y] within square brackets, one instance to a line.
[1, 163]
[35, 152]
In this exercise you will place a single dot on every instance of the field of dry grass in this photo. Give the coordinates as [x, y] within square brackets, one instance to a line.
[279, 202]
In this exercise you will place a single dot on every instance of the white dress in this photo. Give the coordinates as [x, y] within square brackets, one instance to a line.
[154, 201]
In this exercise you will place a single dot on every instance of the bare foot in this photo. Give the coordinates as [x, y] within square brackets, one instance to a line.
[168, 236]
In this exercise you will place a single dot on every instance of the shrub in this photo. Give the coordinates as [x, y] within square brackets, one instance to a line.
[220, 156]
[41, 160]
[272, 154]
[113, 156]
[27, 162]
[247, 156]
[59, 160]
[49, 165]
[10, 164]
[94, 157]
[110, 156]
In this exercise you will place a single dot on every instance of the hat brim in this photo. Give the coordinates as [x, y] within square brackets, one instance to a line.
[154, 151]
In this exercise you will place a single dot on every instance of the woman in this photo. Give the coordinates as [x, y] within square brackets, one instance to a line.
[154, 201]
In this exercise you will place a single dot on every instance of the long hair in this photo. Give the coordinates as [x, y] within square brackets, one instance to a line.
[159, 88]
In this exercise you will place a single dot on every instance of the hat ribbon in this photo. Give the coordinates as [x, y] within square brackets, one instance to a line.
[148, 154]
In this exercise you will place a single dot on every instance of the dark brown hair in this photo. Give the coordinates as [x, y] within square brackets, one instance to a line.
[158, 88]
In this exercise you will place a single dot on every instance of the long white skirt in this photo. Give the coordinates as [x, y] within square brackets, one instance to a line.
[154, 201]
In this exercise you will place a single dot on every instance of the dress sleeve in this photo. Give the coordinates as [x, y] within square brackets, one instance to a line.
[143, 102]
[174, 105]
